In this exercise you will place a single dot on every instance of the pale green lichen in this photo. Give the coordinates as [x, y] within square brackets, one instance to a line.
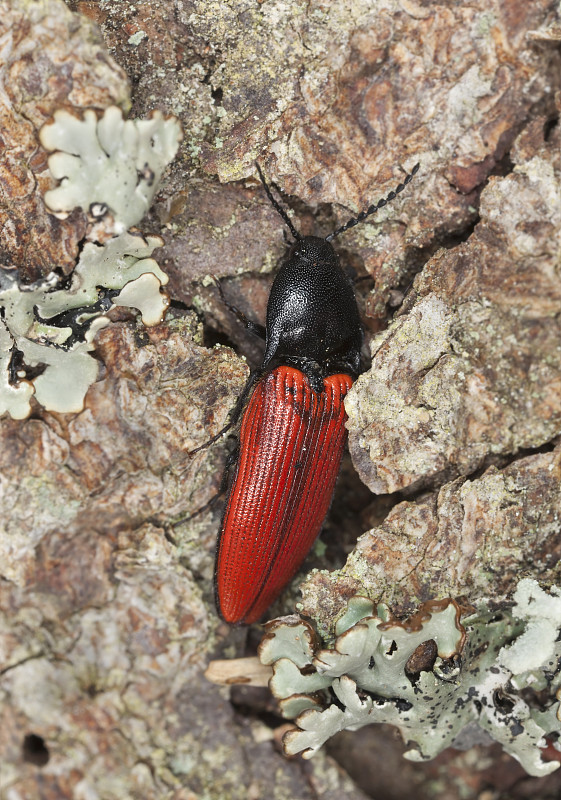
[108, 165]
[437, 677]
[52, 328]
[542, 614]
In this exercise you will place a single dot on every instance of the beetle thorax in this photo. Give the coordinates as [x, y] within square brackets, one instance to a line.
[312, 314]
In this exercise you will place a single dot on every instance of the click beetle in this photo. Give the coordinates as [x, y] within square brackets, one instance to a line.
[293, 431]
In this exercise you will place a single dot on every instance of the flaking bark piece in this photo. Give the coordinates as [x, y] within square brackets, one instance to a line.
[104, 628]
[332, 102]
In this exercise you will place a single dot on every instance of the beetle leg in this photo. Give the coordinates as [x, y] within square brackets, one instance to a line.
[253, 327]
[231, 460]
[234, 413]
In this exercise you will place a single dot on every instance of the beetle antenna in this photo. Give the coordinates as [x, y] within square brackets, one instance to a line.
[375, 206]
[277, 206]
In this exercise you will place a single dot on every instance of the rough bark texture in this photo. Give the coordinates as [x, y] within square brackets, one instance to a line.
[472, 538]
[471, 367]
[106, 611]
[469, 372]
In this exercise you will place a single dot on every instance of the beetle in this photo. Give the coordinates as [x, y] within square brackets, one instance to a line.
[293, 431]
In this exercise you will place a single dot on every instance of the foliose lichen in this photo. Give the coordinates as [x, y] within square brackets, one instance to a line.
[110, 167]
[446, 676]
[47, 328]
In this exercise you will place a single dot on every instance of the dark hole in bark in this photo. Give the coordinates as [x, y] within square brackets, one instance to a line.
[217, 95]
[34, 750]
[549, 127]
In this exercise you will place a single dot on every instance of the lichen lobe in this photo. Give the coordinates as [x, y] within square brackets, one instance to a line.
[483, 671]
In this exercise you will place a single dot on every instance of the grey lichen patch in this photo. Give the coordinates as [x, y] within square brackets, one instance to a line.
[108, 166]
[111, 169]
[541, 613]
[49, 330]
[433, 676]
[144, 294]
[51, 58]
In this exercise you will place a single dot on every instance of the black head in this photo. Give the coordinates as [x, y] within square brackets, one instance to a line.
[312, 316]
[312, 250]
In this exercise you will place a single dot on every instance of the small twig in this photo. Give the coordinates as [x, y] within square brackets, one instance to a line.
[249, 671]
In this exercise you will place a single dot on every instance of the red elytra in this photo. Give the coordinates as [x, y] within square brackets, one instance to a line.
[291, 443]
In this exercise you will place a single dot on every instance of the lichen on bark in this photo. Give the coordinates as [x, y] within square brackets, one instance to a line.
[52, 59]
[106, 607]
